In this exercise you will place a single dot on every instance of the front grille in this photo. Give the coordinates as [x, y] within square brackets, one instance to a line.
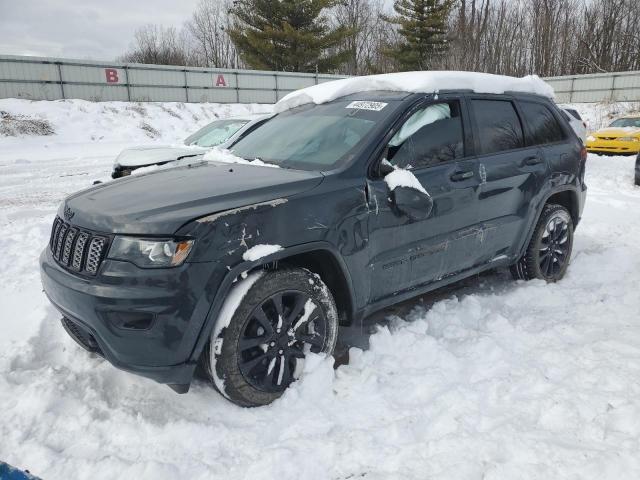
[78, 250]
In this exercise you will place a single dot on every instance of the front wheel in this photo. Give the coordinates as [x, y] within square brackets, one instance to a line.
[547, 256]
[269, 322]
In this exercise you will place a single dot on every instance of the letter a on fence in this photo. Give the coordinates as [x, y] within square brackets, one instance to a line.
[220, 81]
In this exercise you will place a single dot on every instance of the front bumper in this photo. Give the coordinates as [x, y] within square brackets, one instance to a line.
[613, 146]
[173, 305]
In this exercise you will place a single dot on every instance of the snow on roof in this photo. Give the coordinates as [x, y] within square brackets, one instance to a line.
[415, 82]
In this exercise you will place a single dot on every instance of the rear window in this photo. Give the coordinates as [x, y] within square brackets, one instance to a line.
[498, 126]
[543, 126]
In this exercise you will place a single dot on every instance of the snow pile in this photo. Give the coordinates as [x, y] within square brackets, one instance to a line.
[490, 378]
[415, 82]
[229, 307]
[227, 156]
[258, 251]
[84, 121]
[403, 178]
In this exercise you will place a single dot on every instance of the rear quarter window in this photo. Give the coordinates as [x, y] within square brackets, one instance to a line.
[543, 127]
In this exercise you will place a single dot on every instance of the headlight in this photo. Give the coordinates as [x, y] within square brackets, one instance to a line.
[591, 138]
[150, 252]
[629, 139]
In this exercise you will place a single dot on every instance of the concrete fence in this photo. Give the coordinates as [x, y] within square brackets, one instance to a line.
[53, 79]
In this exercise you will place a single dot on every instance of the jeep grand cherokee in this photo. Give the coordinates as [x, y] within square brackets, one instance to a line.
[380, 196]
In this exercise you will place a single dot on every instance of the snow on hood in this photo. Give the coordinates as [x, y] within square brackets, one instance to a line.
[148, 155]
[618, 131]
[227, 156]
[214, 155]
[415, 82]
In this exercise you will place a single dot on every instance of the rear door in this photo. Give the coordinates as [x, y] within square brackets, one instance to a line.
[405, 253]
[510, 174]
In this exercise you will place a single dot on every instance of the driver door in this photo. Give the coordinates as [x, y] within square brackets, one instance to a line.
[405, 253]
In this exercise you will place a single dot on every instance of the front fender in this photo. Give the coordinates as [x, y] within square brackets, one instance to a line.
[241, 269]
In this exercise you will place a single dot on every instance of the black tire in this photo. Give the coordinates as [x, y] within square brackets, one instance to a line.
[549, 251]
[256, 375]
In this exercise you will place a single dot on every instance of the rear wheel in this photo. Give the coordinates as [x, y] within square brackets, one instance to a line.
[259, 349]
[549, 251]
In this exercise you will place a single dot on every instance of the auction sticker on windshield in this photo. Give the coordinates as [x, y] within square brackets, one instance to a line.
[361, 105]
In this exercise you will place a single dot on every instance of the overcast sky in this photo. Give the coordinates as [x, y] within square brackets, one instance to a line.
[85, 29]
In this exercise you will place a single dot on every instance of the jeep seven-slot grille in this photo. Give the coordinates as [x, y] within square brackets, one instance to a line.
[76, 249]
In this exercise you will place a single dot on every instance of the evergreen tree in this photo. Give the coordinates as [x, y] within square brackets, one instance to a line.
[423, 33]
[287, 35]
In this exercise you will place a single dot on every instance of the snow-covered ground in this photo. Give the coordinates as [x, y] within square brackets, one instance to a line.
[493, 379]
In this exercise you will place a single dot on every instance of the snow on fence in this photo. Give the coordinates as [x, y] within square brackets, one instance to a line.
[40, 78]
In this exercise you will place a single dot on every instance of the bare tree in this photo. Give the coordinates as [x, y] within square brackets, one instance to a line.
[159, 45]
[372, 33]
[511, 37]
[210, 43]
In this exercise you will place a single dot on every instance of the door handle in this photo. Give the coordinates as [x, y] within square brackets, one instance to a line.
[531, 161]
[460, 176]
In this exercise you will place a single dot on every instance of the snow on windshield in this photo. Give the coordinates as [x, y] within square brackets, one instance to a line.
[415, 82]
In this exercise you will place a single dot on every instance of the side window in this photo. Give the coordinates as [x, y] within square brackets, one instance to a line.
[498, 126]
[543, 126]
[431, 135]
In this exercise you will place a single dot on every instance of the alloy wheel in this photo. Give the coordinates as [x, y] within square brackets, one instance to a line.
[276, 337]
[554, 246]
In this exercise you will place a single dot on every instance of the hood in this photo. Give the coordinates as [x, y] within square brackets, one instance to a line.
[160, 202]
[140, 156]
[617, 132]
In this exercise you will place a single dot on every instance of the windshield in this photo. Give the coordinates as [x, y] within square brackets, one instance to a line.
[626, 122]
[314, 137]
[215, 133]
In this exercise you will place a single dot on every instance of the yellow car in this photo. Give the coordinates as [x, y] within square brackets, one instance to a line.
[622, 136]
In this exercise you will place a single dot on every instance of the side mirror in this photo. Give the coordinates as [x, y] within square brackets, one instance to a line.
[411, 202]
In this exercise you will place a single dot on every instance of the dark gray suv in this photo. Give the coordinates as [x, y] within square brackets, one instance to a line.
[245, 269]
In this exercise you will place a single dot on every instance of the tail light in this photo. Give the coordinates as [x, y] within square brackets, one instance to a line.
[583, 162]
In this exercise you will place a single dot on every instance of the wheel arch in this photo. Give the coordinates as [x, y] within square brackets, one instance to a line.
[318, 257]
[567, 196]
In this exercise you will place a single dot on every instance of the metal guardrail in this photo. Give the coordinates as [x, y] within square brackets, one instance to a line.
[598, 87]
[41, 78]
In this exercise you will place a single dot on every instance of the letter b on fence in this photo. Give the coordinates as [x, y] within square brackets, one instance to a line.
[112, 75]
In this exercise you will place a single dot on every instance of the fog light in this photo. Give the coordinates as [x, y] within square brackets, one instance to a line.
[130, 320]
